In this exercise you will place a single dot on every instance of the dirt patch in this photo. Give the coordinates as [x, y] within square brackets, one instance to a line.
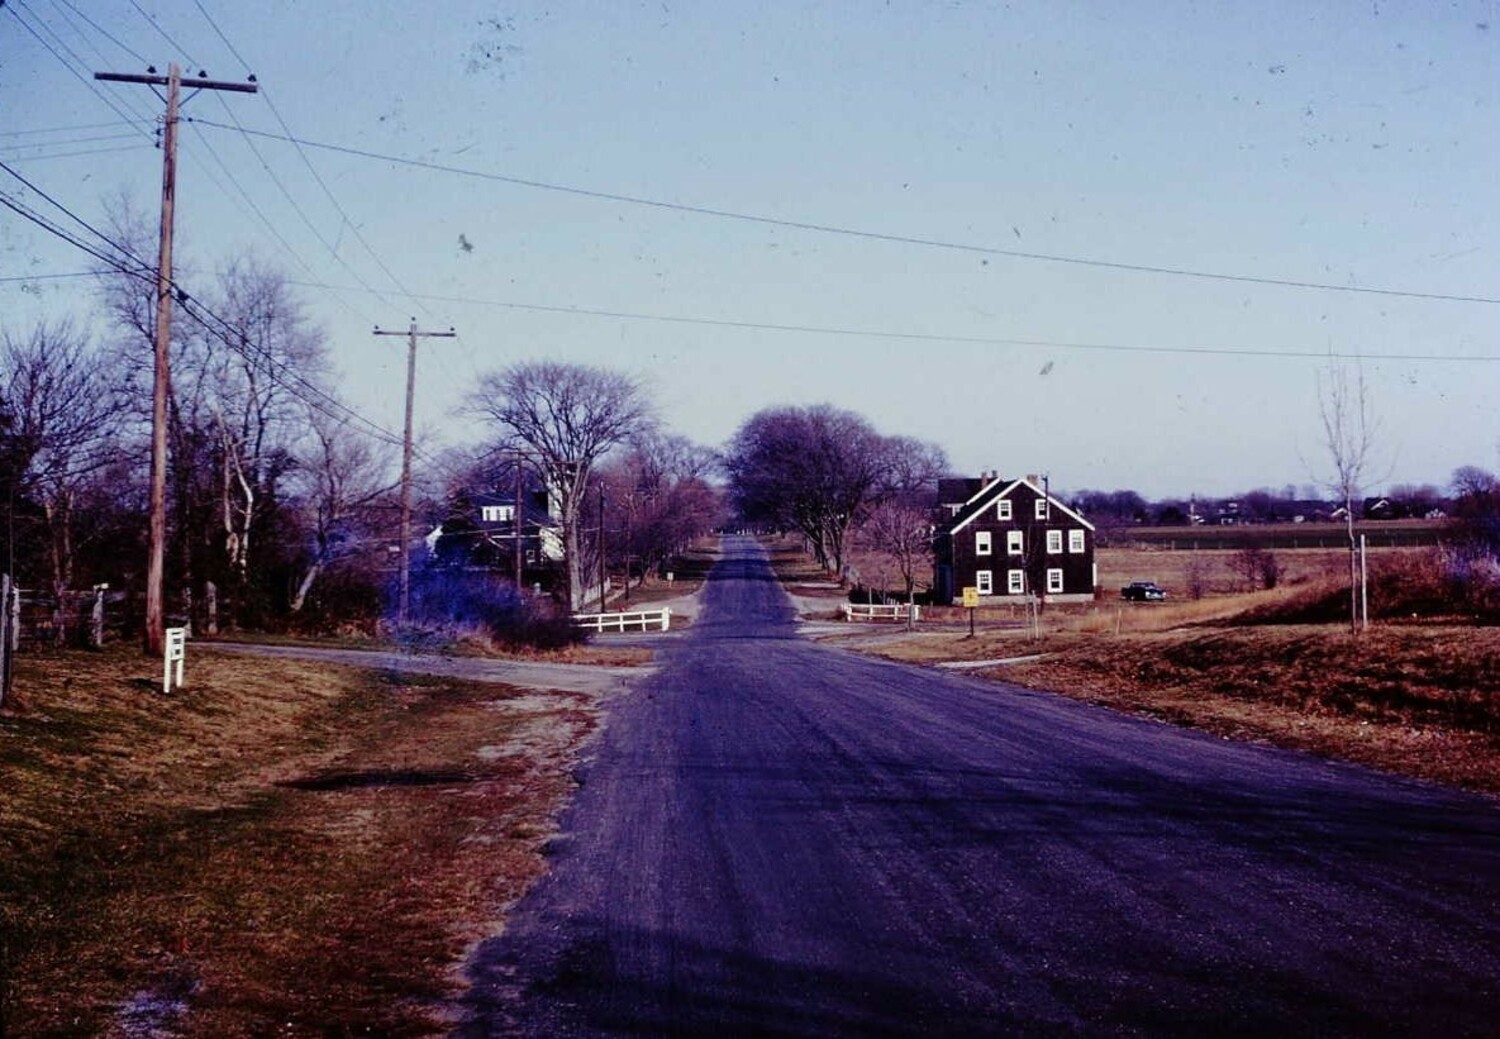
[283, 848]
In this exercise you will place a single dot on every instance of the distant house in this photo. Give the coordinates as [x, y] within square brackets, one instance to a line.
[1008, 539]
[481, 533]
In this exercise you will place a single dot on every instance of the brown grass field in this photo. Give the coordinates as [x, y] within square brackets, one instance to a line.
[286, 849]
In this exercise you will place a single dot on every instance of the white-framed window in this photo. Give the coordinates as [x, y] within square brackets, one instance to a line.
[1054, 581]
[1054, 542]
[497, 513]
[982, 542]
[1041, 508]
[1075, 541]
[1015, 542]
[1004, 509]
[984, 581]
[1015, 582]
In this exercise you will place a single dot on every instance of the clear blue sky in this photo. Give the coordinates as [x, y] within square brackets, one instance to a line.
[1347, 144]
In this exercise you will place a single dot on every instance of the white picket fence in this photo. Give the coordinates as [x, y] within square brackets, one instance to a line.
[638, 620]
[860, 611]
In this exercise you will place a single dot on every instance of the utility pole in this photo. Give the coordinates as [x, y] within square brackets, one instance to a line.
[412, 335]
[155, 622]
[516, 522]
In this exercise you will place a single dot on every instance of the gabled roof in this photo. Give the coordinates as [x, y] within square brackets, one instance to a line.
[999, 489]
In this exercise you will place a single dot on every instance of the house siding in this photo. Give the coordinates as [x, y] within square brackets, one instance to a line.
[957, 562]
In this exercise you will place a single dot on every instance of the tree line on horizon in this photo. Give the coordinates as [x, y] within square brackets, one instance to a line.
[282, 500]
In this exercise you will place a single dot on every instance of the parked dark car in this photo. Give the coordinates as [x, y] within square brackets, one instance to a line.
[1143, 591]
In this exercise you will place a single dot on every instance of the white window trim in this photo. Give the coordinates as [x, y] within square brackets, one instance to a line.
[1015, 582]
[983, 543]
[1054, 542]
[1077, 543]
[1015, 543]
[1003, 511]
[984, 581]
[1054, 581]
[1041, 509]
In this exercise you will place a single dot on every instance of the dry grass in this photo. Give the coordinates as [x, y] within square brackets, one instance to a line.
[282, 848]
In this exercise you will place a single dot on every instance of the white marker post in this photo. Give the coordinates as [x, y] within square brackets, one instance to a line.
[174, 652]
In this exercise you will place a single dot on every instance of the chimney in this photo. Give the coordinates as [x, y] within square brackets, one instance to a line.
[1033, 478]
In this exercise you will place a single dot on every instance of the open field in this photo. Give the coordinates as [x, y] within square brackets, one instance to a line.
[1379, 533]
[281, 848]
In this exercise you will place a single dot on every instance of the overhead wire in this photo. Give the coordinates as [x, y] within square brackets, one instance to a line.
[317, 177]
[222, 329]
[879, 236]
[124, 112]
[921, 337]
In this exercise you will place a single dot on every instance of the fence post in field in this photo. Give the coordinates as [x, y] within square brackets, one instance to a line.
[6, 652]
[96, 618]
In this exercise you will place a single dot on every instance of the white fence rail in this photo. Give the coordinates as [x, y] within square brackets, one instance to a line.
[639, 620]
[859, 611]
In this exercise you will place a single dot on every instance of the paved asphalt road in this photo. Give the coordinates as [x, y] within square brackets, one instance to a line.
[777, 838]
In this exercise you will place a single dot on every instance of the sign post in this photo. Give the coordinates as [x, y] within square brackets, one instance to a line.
[971, 602]
[174, 652]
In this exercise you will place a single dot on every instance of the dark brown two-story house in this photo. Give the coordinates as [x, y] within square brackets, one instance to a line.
[1008, 539]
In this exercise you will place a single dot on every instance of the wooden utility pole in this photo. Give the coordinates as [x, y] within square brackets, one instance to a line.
[412, 335]
[162, 333]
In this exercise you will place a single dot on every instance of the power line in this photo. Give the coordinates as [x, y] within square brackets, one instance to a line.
[179, 48]
[102, 31]
[301, 152]
[920, 337]
[46, 156]
[61, 129]
[48, 277]
[125, 114]
[878, 236]
[220, 328]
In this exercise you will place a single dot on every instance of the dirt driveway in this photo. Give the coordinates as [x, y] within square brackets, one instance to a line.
[577, 678]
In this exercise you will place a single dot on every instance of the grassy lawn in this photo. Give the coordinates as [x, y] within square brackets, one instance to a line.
[281, 848]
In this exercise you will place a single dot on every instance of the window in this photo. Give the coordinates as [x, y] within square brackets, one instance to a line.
[1004, 507]
[1075, 541]
[1054, 581]
[496, 513]
[981, 542]
[1041, 508]
[1014, 545]
[1015, 581]
[984, 581]
[1054, 542]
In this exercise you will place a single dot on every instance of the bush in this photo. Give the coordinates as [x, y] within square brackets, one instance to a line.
[455, 602]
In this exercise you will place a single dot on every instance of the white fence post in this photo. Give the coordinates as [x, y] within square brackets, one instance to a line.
[174, 653]
[7, 635]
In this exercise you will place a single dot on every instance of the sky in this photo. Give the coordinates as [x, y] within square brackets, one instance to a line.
[1049, 237]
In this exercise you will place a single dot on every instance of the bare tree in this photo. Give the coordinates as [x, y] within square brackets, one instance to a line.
[819, 470]
[567, 417]
[257, 361]
[658, 498]
[1349, 431]
[900, 530]
[63, 415]
[339, 473]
